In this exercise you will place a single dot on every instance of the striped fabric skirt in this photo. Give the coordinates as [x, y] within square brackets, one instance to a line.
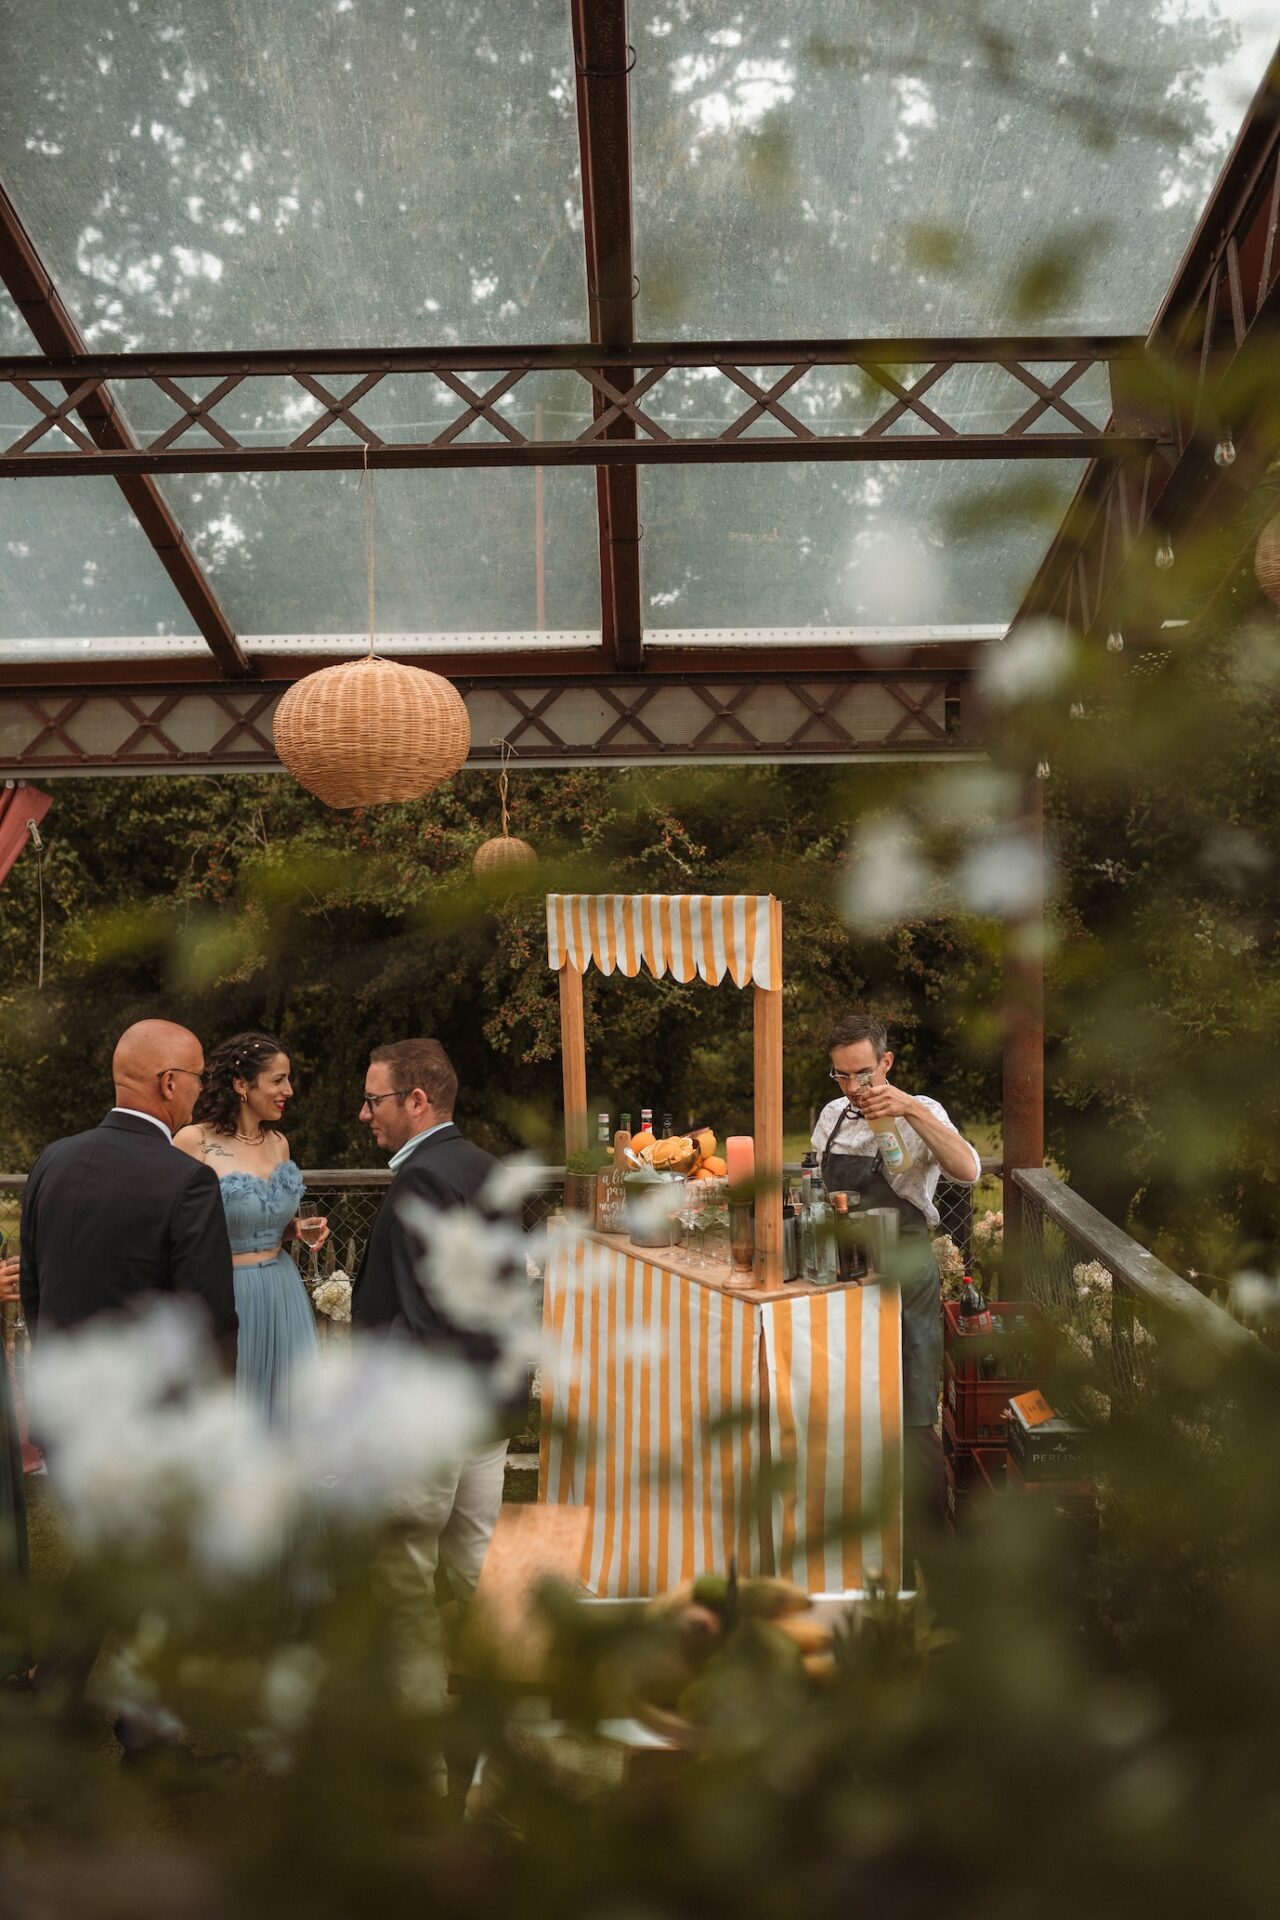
[698, 1426]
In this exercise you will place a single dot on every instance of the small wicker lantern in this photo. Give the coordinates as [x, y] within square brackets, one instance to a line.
[370, 731]
[1266, 559]
[505, 854]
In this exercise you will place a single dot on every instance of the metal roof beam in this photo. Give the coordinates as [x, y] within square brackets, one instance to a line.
[602, 58]
[41, 306]
[1212, 366]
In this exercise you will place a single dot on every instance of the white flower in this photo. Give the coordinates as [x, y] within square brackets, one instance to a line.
[1255, 1295]
[947, 1255]
[475, 1271]
[511, 1182]
[373, 1419]
[1031, 663]
[332, 1297]
[888, 878]
[292, 1679]
[1091, 1277]
[1002, 873]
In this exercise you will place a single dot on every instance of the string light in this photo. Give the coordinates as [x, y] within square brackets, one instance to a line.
[1077, 709]
[1115, 642]
[1225, 452]
[1042, 770]
[1164, 557]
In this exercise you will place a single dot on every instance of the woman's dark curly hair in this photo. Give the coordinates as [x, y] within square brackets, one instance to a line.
[243, 1057]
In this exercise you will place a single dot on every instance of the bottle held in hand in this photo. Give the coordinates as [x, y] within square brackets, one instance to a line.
[890, 1139]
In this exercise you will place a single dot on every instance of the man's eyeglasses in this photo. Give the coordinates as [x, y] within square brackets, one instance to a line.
[371, 1099]
[862, 1076]
[161, 1072]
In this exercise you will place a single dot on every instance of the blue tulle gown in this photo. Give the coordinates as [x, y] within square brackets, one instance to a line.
[277, 1328]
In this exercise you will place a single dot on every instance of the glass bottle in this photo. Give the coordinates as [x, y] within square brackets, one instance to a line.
[894, 1151]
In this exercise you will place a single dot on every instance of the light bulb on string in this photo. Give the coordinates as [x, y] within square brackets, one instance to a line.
[1115, 641]
[1077, 709]
[1164, 557]
[1224, 453]
[1042, 769]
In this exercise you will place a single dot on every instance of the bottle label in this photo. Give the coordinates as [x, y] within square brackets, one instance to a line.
[891, 1152]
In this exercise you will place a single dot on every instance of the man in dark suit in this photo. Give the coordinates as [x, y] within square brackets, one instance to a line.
[114, 1213]
[110, 1216]
[409, 1093]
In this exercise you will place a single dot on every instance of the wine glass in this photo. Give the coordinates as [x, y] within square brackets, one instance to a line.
[312, 1230]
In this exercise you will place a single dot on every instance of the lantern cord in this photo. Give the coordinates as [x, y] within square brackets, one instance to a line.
[366, 482]
[38, 844]
[504, 783]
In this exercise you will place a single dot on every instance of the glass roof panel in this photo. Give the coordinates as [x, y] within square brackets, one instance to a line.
[914, 550]
[240, 173]
[894, 167]
[491, 553]
[75, 564]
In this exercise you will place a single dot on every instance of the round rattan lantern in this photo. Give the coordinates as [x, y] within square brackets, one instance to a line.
[371, 731]
[1266, 559]
[504, 855]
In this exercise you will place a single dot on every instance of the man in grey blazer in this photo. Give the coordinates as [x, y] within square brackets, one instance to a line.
[409, 1094]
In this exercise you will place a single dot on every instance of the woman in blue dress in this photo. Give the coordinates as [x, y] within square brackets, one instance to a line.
[236, 1130]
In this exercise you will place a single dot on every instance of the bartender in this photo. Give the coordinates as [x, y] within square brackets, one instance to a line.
[852, 1161]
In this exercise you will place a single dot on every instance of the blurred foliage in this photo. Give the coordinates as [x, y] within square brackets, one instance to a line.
[1078, 1719]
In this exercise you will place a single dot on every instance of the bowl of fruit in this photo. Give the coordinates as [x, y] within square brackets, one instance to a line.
[718, 1643]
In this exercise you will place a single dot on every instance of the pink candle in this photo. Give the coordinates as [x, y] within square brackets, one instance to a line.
[740, 1159]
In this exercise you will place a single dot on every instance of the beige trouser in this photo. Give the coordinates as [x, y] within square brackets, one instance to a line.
[447, 1523]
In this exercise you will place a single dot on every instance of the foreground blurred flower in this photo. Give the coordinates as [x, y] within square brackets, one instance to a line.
[888, 878]
[149, 1445]
[476, 1271]
[1255, 1296]
[1031, 663]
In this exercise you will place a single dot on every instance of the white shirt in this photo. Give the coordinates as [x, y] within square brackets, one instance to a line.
[134, 1114]
[401, 1154]
[852, 1134]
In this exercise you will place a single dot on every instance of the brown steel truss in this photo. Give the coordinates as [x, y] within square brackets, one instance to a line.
[37, 300]
[615, 382]
[708, 717]
[603, 58]
[1217, 338]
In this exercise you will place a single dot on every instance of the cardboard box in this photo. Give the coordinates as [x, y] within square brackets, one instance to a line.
[1055, 1448]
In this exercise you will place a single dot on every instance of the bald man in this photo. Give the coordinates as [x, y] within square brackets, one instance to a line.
[116, 1212]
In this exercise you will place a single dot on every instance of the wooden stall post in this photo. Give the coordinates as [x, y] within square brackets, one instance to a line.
[768, 1078]
[574, 1059]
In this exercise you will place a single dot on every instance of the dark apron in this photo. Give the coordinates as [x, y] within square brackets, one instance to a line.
[916, 1272]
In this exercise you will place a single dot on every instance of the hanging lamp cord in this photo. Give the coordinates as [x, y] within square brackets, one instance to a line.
[504, 784]
[366, 483]
[38, 844]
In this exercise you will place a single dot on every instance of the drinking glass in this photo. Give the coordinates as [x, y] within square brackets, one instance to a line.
[312, 1230]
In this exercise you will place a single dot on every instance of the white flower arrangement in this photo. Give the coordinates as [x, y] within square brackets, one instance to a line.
[332, 1297]
[947, 1254]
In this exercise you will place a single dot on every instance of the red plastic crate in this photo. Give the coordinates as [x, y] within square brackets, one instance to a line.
[977, 1407]
[964, 1350]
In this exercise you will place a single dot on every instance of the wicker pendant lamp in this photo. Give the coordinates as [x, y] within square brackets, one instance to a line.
[369, 732]
[1266, 559]
[505, 854]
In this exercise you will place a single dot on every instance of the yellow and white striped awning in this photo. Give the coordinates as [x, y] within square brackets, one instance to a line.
[683, 934]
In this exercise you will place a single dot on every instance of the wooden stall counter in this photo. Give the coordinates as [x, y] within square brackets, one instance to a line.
[671, 1395]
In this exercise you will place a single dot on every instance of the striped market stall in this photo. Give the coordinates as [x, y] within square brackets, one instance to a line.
[698, 1418]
